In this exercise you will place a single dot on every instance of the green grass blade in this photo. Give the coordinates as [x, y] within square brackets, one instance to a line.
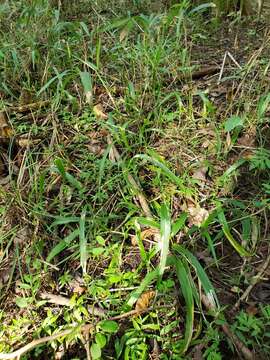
[165, 233]
[226, 230]
[67, 176]
[83, 242]
[148, 222]
[184, 279]
[179, 224]
[206, 283]
[62, 245]
[47, 85]
[149, 278]
[162, 166]
[61, 220]
[87, 85]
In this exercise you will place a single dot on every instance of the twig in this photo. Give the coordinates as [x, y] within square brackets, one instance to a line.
[208, 70]
[28, 107]
[227, 54]
[246, 353]
[256, 278]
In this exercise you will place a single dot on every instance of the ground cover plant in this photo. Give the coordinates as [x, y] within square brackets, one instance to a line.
[134, 180]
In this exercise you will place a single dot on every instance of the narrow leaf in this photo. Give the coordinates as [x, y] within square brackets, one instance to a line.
[165, 232]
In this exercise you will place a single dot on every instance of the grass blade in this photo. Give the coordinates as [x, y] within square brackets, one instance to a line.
[67, 176]
[62, 245]
[149, 278]
[226, 230]
[206, 283]
[165, 233]
[162, 166]
[83, 242]
[184, 279]
[179, 223]
[87, 85]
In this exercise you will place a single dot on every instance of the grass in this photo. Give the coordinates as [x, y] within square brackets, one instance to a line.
[131, 182]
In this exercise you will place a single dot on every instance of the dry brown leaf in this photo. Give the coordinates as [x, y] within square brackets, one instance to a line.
[56, 299]
[89, 97]
[123, 34]
[5, 129]
[149, 234]
[99, 112]
[3, 119]
[22, 236]
[249, 138]
[197, 215]
[144, 300]
[26, 142]
[77, 286]
[200, 174]
[25, 97]
[95, 147]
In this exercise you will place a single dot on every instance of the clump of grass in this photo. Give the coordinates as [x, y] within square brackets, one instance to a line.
[122, 125]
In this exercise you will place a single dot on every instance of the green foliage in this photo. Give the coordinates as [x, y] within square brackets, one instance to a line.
[75, 197]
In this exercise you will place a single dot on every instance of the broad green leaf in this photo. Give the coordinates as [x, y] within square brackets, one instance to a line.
[87, 85]
[23, 302]
[101, 340]
[233, 122]
[95, 351]
[109, 326]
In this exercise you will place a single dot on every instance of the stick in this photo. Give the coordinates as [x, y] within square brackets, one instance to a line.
[256, 278]
[28, 107]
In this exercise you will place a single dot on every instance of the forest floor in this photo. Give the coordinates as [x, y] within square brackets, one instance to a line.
[134, 182]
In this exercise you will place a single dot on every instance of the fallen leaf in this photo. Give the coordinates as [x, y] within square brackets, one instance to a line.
[200, 175]
[77, 285]
[22, 236]
[149, 234]
[25, 97]
[248, 139]
[56, 299]
[197, 214]
[26, 142]
[5, 129]
[144, 300]
[95, 147]
[99, 112]
[252, 310]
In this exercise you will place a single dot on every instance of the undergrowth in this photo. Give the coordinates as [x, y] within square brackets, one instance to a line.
[134, 192]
